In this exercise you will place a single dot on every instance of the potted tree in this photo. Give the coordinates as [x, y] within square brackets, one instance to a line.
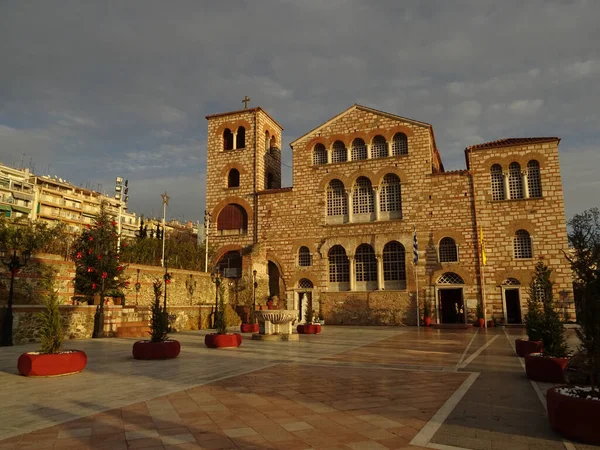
[310, 326]
[573, 411]
[479, 313]
[548, 365]
[50, 360]
[426, 313]
[159, 346]
[221, 339]
[533, 321]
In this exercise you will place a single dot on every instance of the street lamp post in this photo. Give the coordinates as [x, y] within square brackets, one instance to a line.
[14, 264]
[254, 286]
[215, 277]
[99, 316]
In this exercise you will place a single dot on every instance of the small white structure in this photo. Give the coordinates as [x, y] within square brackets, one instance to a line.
[276, 324]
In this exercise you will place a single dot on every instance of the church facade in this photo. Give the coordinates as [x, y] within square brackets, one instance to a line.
[366, 185]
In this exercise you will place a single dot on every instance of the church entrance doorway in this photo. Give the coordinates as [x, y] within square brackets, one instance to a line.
[451, 304]
[513, 305]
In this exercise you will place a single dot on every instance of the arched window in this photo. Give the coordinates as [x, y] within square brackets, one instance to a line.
[304, 258]
[227, 139]
[270, 180]
[515, 181]
[522, 245]
[534, 180]
[365, 263]
[390, 196]
[394, 262]
[339, 153]
[362, 196]
[230, 264]
[339, 265]
[273, 143]
[319, 155]
[233, 178]
[267, 141]
[400, 144]
[336, 199]
[305, 283]
[232, 218]
[497, 182]
[450, 278]
[379, 147]
[241, 138]
[448, 250]
[359, 150]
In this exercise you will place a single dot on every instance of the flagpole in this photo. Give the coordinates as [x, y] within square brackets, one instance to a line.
[415, 261]
[483, 264]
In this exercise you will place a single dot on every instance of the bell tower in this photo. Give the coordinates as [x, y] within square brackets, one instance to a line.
[243, 158]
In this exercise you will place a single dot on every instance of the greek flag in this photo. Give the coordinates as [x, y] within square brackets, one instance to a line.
[415, 247]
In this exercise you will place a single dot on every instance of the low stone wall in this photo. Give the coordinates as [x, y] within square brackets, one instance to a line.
[78, 322]
[368, 308]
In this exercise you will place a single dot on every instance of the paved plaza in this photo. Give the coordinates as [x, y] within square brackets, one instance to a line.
[348, 388]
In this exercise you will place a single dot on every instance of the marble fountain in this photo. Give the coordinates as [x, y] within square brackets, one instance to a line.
[276, 324]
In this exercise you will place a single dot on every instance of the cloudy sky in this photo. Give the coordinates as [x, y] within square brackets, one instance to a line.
[91, 90]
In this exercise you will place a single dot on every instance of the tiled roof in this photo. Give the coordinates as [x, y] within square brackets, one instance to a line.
[509, 142]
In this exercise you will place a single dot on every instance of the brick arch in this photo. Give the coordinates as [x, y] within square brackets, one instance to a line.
[361, 173]
[438, 235]
[373, 133]
[460, 271]
[542, 159]
[233, 199]
[233, 165]
[271, 134]
[233, 126]
[371, 242]
[304, 274]
[310, 145]
[225, 249]
[358, 134]
[270, 256]
[382, 239]
[303, 243]
[390, 132]
[378, 177]
[344, 242]
[487, 165]
[520, 224]
[524, 276]
[344, 137]
[333, 176]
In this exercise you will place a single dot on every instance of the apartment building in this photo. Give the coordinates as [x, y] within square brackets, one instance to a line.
[16, 192]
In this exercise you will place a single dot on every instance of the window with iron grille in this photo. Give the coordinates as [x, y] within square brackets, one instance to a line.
[362, 196]
[319, 155]
[379, 147]
[359, 150]
[522, 244]
[339, 152]
[337, 204]
[534, 180]
[305, 283]
[339, 265]
[511, 282]
[448, 250]
[394, 264]
[450, 278]
[400, 144]
[365, 263]
[497, 182]
[304, 258]
[390, 196]
[515, 181]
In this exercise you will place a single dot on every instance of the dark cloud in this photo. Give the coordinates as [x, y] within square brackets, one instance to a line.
[100, 89]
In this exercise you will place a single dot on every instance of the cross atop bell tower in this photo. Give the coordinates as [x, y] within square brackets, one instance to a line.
[245, 101]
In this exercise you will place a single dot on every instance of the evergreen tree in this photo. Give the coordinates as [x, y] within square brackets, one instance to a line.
[51, 322]
[551, 325]
[160, 320]
[97, 266]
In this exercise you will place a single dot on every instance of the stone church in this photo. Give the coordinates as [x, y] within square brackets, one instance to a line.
[365, 184]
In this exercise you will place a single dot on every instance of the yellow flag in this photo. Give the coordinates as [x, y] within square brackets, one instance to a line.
[482, 245]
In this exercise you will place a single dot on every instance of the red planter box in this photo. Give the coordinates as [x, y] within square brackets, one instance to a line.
[249, 328]
[215, 340]
[545, 369]
[574, 418]
[524, 347]
[427, 321]
[156, 350]
[49, 365]
[308, 329]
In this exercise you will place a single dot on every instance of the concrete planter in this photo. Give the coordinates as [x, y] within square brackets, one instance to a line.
[249, 328]
[50, 365]
[156, 350]
[215, 340]
[545, 368]
[524, 347]
[574, 418]
[308, 329]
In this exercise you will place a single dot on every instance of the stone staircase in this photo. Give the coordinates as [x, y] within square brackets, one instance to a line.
[133, 329]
